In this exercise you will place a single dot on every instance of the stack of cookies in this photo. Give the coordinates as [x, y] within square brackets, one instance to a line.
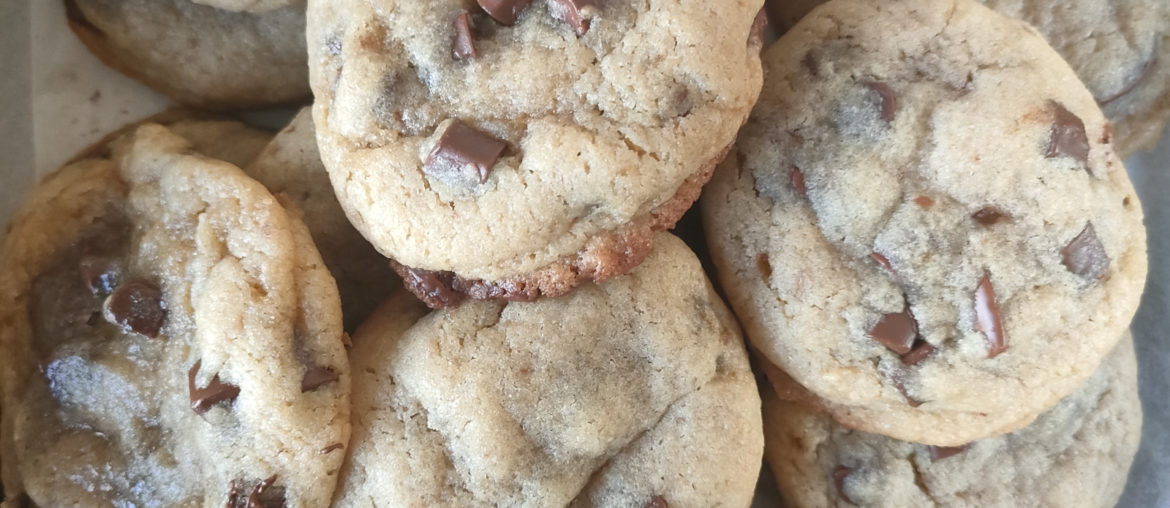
[447, 282]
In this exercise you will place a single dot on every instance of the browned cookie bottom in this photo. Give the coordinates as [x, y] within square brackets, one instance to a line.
[605, 256]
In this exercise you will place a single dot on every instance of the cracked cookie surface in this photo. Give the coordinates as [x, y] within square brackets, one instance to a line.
[1076, 454]
[927, 230]
[617, 394]
[1119, 48]
[199, 55]
[526, 157]
[173, 337]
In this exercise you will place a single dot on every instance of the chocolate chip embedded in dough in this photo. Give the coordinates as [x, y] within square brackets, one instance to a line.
[924, 201]
[433, 288]
[577, 13]
[464, 46]
[988, 318]
[657, 502]
[882, 261]
[138, 307]
[216, 391]
[889, 101]
[919, 352]
[989, 216]
[265, 496]
[461, 146]
[1068, 138]
[941, 452]
[840, 473]
[316, 377]
[504, 11]
[331, 448]
[796, 181]
[896, 331]
[764, 265]
[1085, 256]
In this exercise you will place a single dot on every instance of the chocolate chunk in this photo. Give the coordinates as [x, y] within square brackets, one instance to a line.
[889, 103]
[988, 216]
[100, 275]
[138, 307]
[764, 265]
[464, 46]
[796, 181]
[759, 26]
[881, 260]
[264, 496]
[987, 317]
[504, 11]
[902, 389]
[577, 13]
[919, 352]
[461, 146]
[1068, 135]
[433, 288]
[656, 502]
[1085, 256]
[924, 201]
[202, 399]
[331, 448]
[941, 452]
[839, 476]
[895, 331]
[316, 377]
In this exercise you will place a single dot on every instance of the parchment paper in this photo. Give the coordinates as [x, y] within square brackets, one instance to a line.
[56, 98]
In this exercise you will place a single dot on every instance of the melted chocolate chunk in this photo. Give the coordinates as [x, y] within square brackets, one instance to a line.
[504, 11]
[896, 331]
[764, 265]
[317, 377]
[941, 452]
[1085, 256]
[433, 288]
[919, 352]
[656, 502]
[796, 181]
[889, 101]
[1068, 135]
[331, 448]
[461, 146]
[464, 46]
[987, 317]
[902, 389]
[989, 216]
[138, 307]
[839, 476]
[202, 399]
[924, 201]
[881, 260]
[264, 496]
[577, 13]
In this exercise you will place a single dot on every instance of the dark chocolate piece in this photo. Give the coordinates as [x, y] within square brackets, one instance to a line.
[796, 181]
[261, 497]
[138, 307]
[1068, 135]
[941, 452]
[988, 318]
[577, 13]
[902, 389]
[316, 377]
[924, 201]
[895, 331]
[881, 260]
[1085, 256]
[889, 102]
[460, 146]
[504, 11]
[919, 352]
[764, 265]
[839, 476]
[657, 502]
[216, 391]
[464, 46]
[989, 216]
[433, 288]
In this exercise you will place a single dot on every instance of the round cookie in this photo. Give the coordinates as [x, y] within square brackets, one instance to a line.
[1076, 454]
[291, 165]
[199, 55]
[1119, 48]
[172, 338]
[634, 392]
[516, 158]
[930, 231]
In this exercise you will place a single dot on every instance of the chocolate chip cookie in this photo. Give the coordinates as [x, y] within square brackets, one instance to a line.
[200, 55]
[1076, 454]
[1119, 48]
[634, 392]
[291, 165]
[517, 149]
[930, 232]
[171, 338]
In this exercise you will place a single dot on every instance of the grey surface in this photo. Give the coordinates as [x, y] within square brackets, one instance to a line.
[16, 128]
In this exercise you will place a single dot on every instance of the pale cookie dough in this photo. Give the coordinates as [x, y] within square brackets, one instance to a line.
[199, 55]
[1077, 454]
[291, 165]
[1119, 48]
[924, 223]
[636, 392]
[249, 5]
[518, 159]
[172, 338]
